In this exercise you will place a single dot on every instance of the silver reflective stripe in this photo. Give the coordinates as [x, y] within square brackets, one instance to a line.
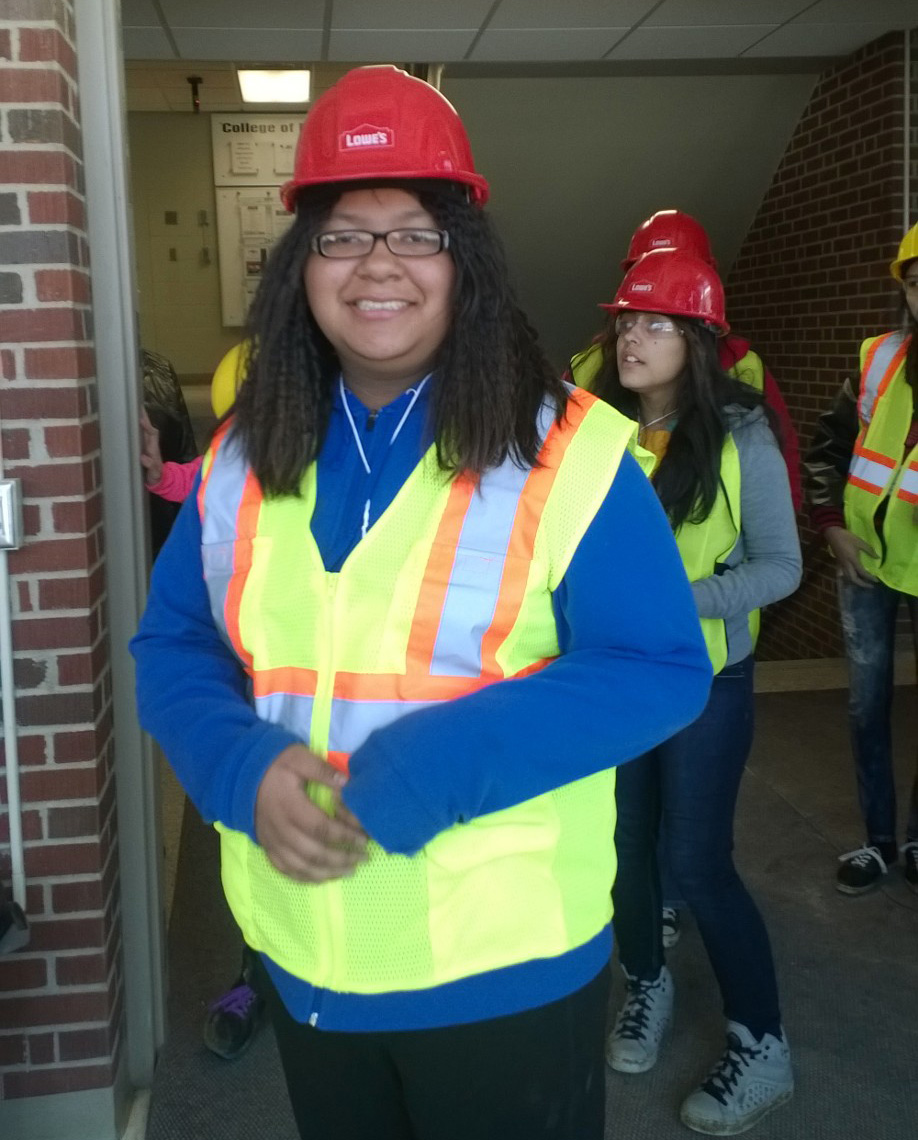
[873, 377]
[908, 485]
[222, 496]
[869, 471]
[289, 709]
[478, 567]
[353, 721]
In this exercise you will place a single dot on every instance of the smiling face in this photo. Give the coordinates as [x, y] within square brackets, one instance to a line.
[649, 365]
[385, 316]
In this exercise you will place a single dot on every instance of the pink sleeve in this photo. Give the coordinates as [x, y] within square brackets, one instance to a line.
[175, 482]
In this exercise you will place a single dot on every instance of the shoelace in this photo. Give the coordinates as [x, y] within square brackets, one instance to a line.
[632, 1021]
[726, 1073]
[863, 857]
[237, 1001]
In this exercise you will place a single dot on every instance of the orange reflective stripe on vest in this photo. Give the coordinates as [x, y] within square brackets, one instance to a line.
[883, 360]
[870, 470]
[908, 488]
[449, 591]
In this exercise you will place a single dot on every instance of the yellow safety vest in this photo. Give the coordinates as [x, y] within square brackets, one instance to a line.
[703, 546]
[878, 472]
[448, 592]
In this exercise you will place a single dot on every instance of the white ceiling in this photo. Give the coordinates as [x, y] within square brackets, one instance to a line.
[212, 35]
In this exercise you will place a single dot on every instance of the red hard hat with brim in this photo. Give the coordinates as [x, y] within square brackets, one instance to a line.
[675, 284]
[377, 123]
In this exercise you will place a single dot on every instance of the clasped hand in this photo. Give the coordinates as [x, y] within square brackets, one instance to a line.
[300, 839]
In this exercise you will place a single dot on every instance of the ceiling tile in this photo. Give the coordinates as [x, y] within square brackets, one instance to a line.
[417, 14]
[522, 44]
[889, 13]
[146, 43]
[569, 14]
[688, 43]
[243, 13]
[695, 13]
[274, 45]
[817, 39]
[390, 46]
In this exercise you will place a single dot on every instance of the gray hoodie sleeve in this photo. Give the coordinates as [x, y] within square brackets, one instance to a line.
[766, 564]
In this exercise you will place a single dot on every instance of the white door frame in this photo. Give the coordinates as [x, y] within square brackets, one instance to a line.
[105, 154]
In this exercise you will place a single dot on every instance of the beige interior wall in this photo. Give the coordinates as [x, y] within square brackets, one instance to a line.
[179, 301]
[575, 164]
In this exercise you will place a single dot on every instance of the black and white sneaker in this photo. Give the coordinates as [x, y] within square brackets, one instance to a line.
[860, 870]
[750, 1080]
[634, 1043]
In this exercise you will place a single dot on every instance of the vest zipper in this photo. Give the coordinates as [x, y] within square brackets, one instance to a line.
[334, 918]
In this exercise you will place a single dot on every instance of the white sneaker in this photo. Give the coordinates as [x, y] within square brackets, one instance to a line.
[750, 1080]
[634, 1043]
[672, 927]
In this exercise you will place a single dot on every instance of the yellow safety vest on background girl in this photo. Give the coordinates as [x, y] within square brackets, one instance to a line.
[585, 367]
[878, 472]
[707, 545]
[448, 592]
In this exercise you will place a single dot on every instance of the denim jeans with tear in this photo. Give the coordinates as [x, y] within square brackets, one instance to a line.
[868, 615]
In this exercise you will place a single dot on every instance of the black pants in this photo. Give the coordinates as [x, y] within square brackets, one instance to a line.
[537, 1075]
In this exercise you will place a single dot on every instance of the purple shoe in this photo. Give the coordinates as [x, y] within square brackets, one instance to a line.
[232, 1020]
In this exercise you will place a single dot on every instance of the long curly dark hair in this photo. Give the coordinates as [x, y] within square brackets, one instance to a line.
[688, 478]
[490, 376]
[910, 328]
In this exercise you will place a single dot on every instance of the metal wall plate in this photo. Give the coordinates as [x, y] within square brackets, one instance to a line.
[10, 514]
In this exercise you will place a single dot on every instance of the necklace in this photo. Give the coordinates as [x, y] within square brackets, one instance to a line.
[649, 423]
[415, 392]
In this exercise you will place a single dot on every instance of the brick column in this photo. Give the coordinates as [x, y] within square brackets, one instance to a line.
[812, 280]
[60, 998]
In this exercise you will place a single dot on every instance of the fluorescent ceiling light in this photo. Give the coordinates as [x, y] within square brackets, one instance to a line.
[274, 86]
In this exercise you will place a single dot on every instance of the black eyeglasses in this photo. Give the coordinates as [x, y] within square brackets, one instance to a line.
[358, 243]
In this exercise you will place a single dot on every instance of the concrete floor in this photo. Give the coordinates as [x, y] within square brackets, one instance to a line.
[848, 967]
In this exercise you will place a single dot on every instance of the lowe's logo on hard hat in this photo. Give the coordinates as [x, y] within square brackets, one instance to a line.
[367, 135]
[642, 287]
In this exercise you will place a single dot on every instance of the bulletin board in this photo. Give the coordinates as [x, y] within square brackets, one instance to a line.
[253, 156]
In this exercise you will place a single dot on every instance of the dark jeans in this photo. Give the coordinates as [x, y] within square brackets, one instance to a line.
[868, 616]
[691, 781]
[537, 1075]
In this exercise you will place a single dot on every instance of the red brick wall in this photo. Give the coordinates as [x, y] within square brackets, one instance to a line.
[812, 280]
[60, 999]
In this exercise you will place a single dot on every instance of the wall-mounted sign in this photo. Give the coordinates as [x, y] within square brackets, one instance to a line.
[253, 156]
[253, 150]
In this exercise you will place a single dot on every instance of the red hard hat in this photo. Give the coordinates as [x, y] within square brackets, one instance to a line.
[670, 229]
[381, 122]
[676, 284]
